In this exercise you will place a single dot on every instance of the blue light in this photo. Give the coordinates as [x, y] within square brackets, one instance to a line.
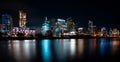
[111, 42]
[57, 30]
[102, 46]
[46, 52]
[62, 49]
[46, 27]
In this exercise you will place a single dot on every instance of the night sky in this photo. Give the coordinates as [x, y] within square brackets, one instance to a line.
[102, 13]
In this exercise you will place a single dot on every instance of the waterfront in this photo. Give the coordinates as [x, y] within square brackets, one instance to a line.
[59, 50]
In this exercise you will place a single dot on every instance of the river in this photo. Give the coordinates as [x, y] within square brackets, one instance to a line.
[60, 50]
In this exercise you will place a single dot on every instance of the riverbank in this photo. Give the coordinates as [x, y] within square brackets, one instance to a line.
[43, 37]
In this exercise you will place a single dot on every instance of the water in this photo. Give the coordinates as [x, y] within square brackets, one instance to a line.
[60, 50]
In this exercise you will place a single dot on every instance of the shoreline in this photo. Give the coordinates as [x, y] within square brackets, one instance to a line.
[37, 38]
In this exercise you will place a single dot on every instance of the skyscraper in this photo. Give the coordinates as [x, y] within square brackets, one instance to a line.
[46, 27]
[90, 27]
[6, 21]
[22, 19]
[71, 25]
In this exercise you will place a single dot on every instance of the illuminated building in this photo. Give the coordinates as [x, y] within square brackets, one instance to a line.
[80, 31]
[27, 32]
[22, 31]
[60, 27]
[22, 19]
[71, 26]
[64, 28]
[90, 27]
[6, 25]
[115, 32]
[53, 22]
[103, 31]
[46, 27]
[110, 32]
[6, 21]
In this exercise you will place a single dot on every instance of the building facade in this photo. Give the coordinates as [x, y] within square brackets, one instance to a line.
[22, 19]
[90, 27]
[6, 22]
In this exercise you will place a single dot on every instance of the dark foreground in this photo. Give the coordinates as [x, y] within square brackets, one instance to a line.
[60, 50]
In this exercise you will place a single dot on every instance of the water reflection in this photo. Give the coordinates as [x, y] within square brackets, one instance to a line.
[102, 46]
[62, 49]
[58, 50]
[80, 46]
[65, 48]
[91, 46]
[46, 51]
[22, 51]
[116, 45]
[72, 47]
[109, 46]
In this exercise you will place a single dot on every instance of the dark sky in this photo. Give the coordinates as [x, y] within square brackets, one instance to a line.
[101, 12]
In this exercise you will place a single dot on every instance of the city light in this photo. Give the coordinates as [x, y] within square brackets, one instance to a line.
[59, 28]
[46, 53]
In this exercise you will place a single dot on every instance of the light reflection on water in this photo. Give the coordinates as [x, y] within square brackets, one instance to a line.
[62, 49]
[102, 46]
[116, 46]
[48, 50]
[72, 47]
[80, 46]
[22, 51]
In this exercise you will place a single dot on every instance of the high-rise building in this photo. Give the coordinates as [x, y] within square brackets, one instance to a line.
[6, 22]
[90, 27]
[53, 22]
[22, 19]
[71, 26]
[46, 27]
[60, 27]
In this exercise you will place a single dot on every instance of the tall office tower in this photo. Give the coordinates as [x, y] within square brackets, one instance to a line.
[62, 26]
[90, 27]
[70, 24]
[46, 27]
[6, 21]
[10, 26]
[11, 23]
[53, 22]
[22, 19]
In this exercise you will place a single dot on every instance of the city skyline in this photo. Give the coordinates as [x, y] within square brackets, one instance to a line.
[102, 13]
